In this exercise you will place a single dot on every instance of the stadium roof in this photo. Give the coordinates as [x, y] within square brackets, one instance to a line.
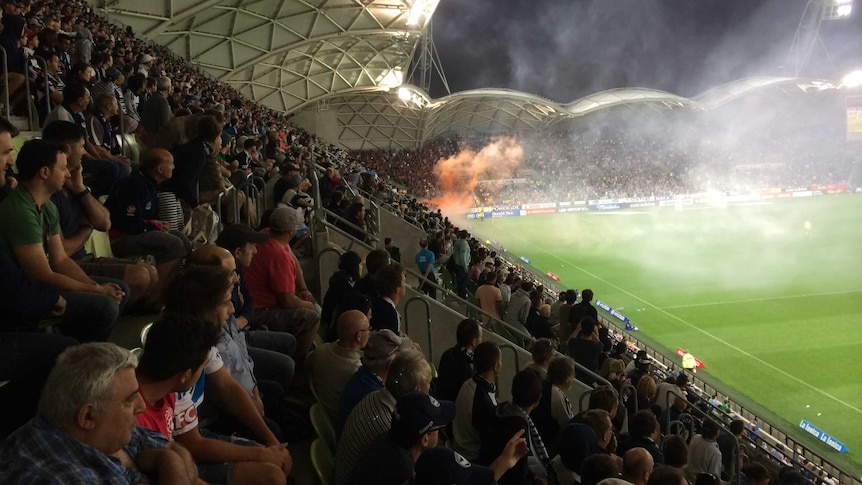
[285, 54]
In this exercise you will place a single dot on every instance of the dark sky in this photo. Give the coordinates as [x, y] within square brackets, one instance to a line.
[566, 49]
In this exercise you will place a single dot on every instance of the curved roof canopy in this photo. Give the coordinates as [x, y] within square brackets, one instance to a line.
[285, 54]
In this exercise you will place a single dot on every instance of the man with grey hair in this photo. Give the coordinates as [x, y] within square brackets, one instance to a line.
[85, 429]
[372, 417]
[157, 111]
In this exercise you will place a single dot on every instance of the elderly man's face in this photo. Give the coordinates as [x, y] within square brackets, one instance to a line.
[113, 425]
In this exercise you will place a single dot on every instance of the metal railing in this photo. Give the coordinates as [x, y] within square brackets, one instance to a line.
[7, 109]
[43, 65]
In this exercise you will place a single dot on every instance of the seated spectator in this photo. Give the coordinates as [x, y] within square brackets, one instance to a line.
[675, 451]
[7, 161]
[646, 394]
[101, 131]
[666, 475]
[281, 297]
[391, 285]
[376, 259]
[636, 469]
[644, 433]
[85, 428]
[476, 401]
[456, 363]
[332, 364]
[372, 417]
[600, 421]
[100, 167]
[341, 283]
[729, 445]
[704, 455]
[555, 410]
[177, 350]
[511, 417]
[638, 367]
[416, 422]
[542, 351]
[81, 214]
[355, 215]
[136, 228]
[489, 299]
[671, 397]
[598, 467]
[284, 186]
[614, 371]
[49, 86]
[30, 236]
[576, 443]
[394, 251]
[585, 348]
[605, 398]
[382, 348]
[442, 466]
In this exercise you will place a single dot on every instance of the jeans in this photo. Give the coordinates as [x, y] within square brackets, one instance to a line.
[272, 355]
[90, 317]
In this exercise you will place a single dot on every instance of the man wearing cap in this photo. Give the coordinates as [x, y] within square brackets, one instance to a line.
[443, 466]
[382, 348]
[281, 297]
[145, 64]
[416, 422]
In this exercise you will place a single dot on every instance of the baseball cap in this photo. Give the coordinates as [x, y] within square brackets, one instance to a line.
[294, 180]
[238, 235]
[382, 344]
[112, 74]
[443, 466]
[643, 358]
[147, 58]
[284, 219]
[417, 413]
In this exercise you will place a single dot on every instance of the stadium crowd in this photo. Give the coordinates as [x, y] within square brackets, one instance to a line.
[211, 396]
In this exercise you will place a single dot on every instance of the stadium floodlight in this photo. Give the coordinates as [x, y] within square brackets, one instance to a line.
[404, 94]
[852, 80]
[838, 9]
[411, 96]
[420, 8]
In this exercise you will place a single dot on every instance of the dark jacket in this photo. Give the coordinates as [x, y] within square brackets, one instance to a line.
[156, 113]
[507, 420]
[134, 205]
[645, 443]
[189, 161]
[580, 310]
[384, 315]
[340, 288]
[456, 366]
[544, 420]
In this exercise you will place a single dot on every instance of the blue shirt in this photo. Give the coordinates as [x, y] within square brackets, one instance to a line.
[40, 453]
[423, 259]
[362, 383]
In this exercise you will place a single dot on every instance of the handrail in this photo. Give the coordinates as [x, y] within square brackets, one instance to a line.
[517, 361]
[634, 395]
[331, 226]
[350, 224]
[43, 64]
[6, 82]
[423, 300]
[317, 265]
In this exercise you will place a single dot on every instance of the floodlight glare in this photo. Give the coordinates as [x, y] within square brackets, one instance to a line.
[419, 8]
[852, 80]
[838, 9]
[404, 94]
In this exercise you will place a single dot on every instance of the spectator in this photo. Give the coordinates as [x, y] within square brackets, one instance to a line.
[456, 363]
[416, 422]
[136, 227]
[554, 410]
[729, 445]
[7, 178]
[87, 414]
[704, 455]
[565, 330]
[585, 348]
[81, 213]
[460, 261]
[101, 130]
[30, 229]
[49, 85]
[191, 158]
[644, 433]
[391, 285]
[675, 451]
[519, 306]
[477, 400]
[489, 299]
[176, 352]
[542, 351]
[576, 443]
[598, 467]
[281, 297]
[583, 309]
[394, 251]
[341, 283]
[156, 111]
[382, 348]
[442, 466]
[667, 476]
[372, 417]
[511, 417]
[376, 259]
[425, 260]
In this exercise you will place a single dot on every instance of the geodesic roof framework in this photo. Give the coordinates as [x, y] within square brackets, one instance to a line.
[285, 54]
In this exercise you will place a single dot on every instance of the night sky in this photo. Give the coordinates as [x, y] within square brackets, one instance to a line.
[566, 49]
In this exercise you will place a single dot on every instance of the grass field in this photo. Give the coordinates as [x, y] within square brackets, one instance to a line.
[773, 312]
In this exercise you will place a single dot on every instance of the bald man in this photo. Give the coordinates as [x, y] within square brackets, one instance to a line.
[637, 466]
[136, 228]
[259, 360]
[332, 364]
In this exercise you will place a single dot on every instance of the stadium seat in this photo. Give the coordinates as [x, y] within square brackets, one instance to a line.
[323, 426]
[323, 462]
[99, 245]
[144, 332]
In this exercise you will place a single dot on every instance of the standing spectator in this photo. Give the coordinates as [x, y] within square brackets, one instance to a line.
[583, 309]
[542, 351]
[456, 363]
[585, 348]
[425, 260]
[555, 410]
[30, 236]
[519, 306]
[477, 400]
[191, 158]
[156, 111]
[460, 262]
[394, 251]
[728, 444]
[341, 284]
[703, 453]
[489, 299]
[391, 285]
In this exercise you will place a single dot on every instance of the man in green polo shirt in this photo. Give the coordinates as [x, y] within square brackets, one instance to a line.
[30, 235]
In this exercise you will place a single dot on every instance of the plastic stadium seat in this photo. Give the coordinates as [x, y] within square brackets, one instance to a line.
[323, 426]
[323, 462]
[144, 332]
[138, 352]
[99, 245]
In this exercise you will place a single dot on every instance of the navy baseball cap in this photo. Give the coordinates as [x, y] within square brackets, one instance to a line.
[442, 466]
[417, 413]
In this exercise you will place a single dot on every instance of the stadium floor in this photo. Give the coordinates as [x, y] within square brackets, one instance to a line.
[773, 310]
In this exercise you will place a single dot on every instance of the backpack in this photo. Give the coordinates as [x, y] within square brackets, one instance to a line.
[203, 226]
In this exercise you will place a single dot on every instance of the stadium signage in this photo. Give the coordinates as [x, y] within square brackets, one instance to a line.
[823, 437]
[619, 316]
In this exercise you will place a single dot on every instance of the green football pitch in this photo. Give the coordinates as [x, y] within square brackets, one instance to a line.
[772, 309]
